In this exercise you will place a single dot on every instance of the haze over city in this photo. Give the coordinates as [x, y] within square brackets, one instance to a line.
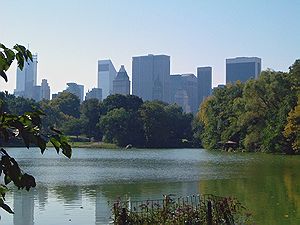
[71, 36]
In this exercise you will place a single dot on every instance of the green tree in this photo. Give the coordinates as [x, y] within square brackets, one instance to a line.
[17, 105]
[122, 127]
[67, 103]
[127, 102]
[53, 116]
[25, 126]
[73, 126]
[254, 114]
[165, 125]
[218, 116]
[292, 128]
[90, 114]
[115, 126]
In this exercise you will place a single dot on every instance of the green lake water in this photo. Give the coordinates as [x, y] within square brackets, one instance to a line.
[77, 191]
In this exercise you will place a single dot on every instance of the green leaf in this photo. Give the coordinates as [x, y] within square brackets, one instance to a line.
[41, 143]
[3, 63]
[27, 181]
[3, 190]
[3, 74]
[2, 46]
[7, 179]
[55, 130]
[67, 150]
[10, 56]
[5, 207]
[29, 55]
[20, 60]
[55, 142]
[26, 138]
[20, 48]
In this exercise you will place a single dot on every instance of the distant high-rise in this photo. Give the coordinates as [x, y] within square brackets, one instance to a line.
[189, 83]
[121, 83]
[181, 98]
[95, 93]
[204, 77]
[26, 78]
[183, 91]
[242, 69]
[76, 89]
[106, 75]
[36, 92]
[45, 90]
[150, 77]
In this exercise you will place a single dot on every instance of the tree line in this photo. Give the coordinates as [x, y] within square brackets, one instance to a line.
[261, 115]
[258, 115]
[118, 119]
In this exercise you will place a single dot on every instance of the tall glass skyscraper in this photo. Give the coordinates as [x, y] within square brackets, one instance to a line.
[26, 78]
[242, 69]
[106, 75]
[150, 77]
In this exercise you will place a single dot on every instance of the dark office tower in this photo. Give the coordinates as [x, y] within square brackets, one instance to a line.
[204, 75]
[150, 77]
[242, 69]
[121, 83]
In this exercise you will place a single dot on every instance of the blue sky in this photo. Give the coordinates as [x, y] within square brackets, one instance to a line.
[71, 35]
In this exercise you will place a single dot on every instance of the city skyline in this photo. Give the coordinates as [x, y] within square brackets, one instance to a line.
[193, 33]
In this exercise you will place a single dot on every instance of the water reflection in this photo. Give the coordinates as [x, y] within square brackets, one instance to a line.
[76, 204]
[24, 207]
[268, 185]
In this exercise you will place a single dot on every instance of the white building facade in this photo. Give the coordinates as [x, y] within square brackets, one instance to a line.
[106, 75]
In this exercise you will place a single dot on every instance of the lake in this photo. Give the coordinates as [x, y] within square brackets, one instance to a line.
[77, 191]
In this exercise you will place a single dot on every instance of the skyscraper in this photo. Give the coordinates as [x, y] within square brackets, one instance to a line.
[76, 89]
[189, 83]
[45, 90]
[183, 91]
[150, 77]
[106, 75]
[94, 93]
[121, 83]
[204, 77]
[36, 93]
[242, 69]
[26, 78]
[182, 99]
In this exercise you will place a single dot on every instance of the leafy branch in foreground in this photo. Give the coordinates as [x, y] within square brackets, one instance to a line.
[7, 56]
[26, 127]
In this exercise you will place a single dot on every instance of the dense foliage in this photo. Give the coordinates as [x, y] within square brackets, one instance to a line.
[119, 119]
[259, 115]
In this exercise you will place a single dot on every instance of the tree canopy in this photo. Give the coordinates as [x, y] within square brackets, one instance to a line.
[259, 115]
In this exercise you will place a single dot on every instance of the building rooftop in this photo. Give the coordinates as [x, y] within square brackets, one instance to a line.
[122, 74]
